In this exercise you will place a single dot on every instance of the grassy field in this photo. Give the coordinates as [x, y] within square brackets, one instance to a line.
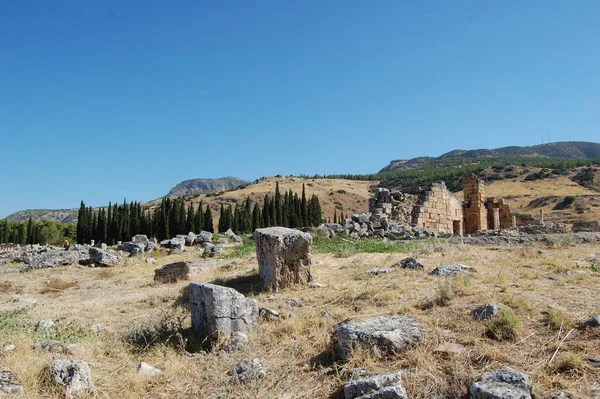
[149, 322]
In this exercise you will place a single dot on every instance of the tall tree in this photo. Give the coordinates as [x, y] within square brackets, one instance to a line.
[208, 220]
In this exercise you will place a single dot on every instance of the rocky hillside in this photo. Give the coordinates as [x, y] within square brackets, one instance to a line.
[202, 186]
[66, 216]
[560, 150]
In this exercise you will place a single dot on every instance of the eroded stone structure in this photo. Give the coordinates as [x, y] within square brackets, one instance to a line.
[437, 209]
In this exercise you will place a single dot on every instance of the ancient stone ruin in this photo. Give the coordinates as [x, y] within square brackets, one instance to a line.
[439, 210]
[284, 256]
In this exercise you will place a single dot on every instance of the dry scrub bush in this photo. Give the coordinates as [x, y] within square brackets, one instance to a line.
[56, 285]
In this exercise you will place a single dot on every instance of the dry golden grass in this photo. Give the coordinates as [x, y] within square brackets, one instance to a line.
[149, 322]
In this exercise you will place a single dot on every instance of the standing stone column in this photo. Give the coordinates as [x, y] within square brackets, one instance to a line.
[496, 218]
[514, 221]
[284, 256]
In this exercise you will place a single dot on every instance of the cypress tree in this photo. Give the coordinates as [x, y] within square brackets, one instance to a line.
[190, 220]
[81, 228]
[222, 220]
[266, 211]
[278, 219]
[304, 207]
[208, 220]
[30, 231]
[334, 215]
[256, 217]
[247, 216]
[199, 219]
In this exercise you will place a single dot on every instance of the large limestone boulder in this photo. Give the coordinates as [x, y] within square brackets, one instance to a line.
[218, 310]
[284, 256]
[73, 376]
[503, 383]
[375, 386]
[203, 236]
[102, 258]
[185, 270]
[384, 335]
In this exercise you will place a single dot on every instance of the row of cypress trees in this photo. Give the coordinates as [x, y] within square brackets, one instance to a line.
[287, 210]
[32, 232]
[172, 217]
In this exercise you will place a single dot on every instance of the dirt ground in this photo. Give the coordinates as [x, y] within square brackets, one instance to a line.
[547, 290]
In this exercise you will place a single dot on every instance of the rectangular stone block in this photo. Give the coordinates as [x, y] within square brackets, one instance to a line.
[284, 256]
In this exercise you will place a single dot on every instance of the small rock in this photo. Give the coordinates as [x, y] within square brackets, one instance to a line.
[503, 383]
[145, 370]
[97, 329]
[150, 261]
[9, 348]
[450, 348]
[268, 314]
[52, 346]
[383, 270]
[44, 324]
[293, 302]
[237, 342]
[487, 311]
[541, 252]
[9, 383]
[451, 270]
[384, 386]
[410, 263]
[316, 285]
[73, 375]
[319, 262]
[593, 322]
[247, 370]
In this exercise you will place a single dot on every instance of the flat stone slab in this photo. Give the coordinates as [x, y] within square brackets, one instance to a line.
[503, 383]
[382, 336]
[185, 270]
[451, 270]
[375, 386]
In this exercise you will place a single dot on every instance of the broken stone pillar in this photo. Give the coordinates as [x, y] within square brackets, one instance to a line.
[514, 221]
[92, 242]
[541, 216]
[284, 256]
[218, 310]
[496, 219]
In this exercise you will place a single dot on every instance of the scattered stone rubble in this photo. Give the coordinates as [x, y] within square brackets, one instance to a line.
[9, 383]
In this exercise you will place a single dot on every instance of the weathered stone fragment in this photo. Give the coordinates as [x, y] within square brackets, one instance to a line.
[237, 342]
[145, 370]
[384, 335]
[381, 270]
[487, 311]
[9, 383]
[203, 236]
[593, 322]
[102, 258]
[375, 386]
[247, 370]
[185, 270]
[221, 310]
[451, 270]
[410, 263]
[284, 256]
[503, 383]
[72, 375]
[52, 346]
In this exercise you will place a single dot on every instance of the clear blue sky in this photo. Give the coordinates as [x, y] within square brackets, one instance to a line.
[101, 100]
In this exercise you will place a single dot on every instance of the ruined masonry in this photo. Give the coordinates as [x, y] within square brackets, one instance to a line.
[439, 210]
[284, 256]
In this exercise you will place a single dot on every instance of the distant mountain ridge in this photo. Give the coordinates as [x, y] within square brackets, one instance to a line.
[66, 216]
[202, 186]
[559, 150]
[187, 187]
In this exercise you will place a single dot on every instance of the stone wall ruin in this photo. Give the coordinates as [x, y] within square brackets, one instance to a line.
[437, 209]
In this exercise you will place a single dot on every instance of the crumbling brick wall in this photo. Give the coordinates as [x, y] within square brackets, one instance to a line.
[476, 216]
[438, 210]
